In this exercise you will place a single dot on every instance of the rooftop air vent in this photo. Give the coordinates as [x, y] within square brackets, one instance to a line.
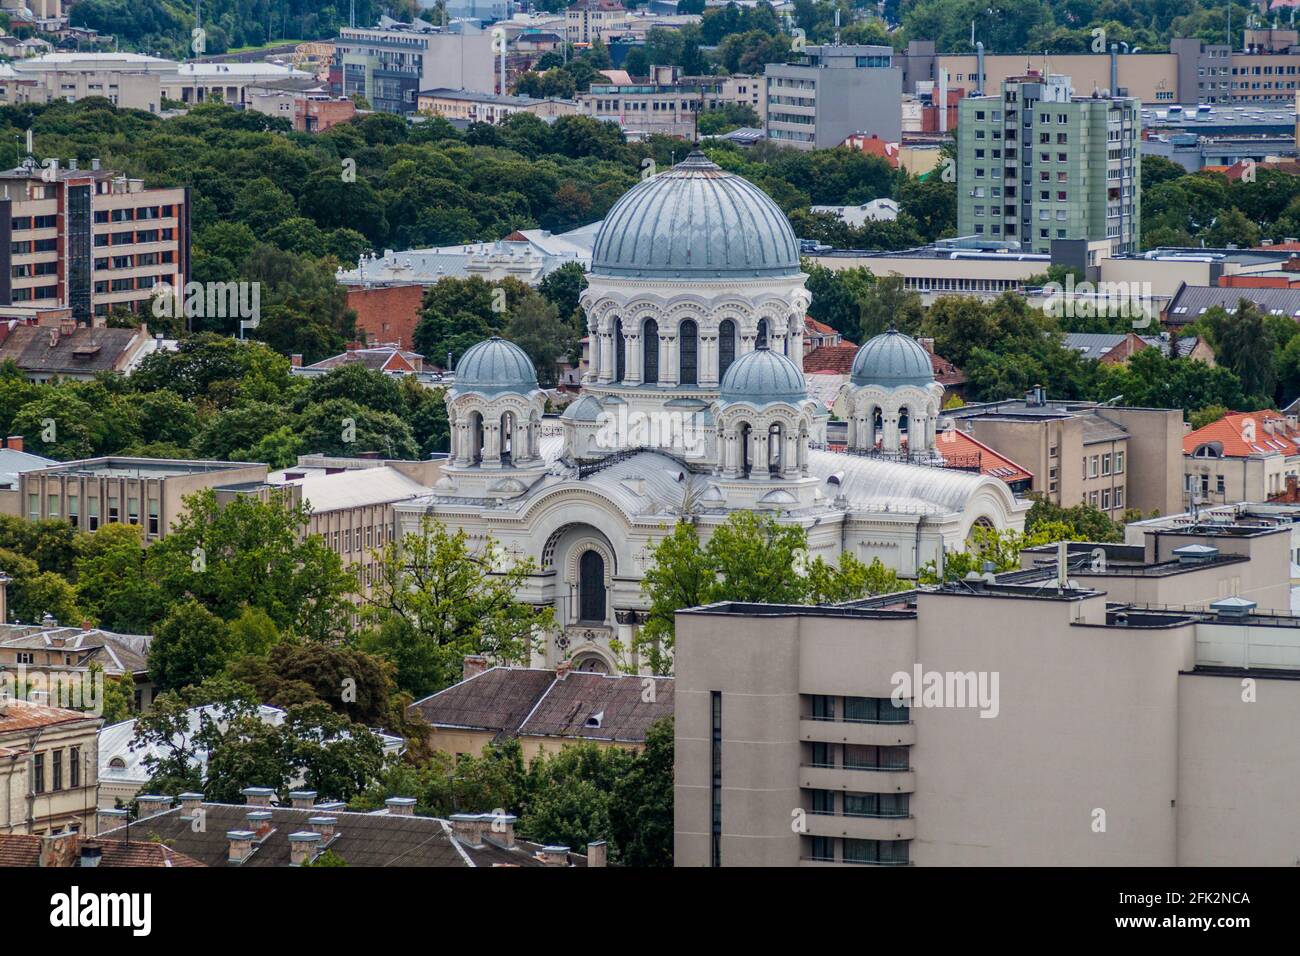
[1233, 608]
[1195, 553]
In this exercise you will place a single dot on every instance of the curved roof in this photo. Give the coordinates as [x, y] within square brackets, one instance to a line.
[495, 366]
[875, 484]
[695, 221]
[892, 359]
[763, 377]
[586, 409]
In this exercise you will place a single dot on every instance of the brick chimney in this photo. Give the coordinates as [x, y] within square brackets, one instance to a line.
[258, 796]
[562, 669]
[554, 855]
[324, 826]
[241, 845]
[597, 853]
[500, 829]
[259, 821]
[296, 360]
[149, 804]
[15, 442]
[303, 846]
[191, 803]
[400, 806]
[109, 819]
[467, 828]
[473, 665]
[61, 849]
[302, 799]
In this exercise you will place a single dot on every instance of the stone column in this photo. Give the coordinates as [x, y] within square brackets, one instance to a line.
[758, 454]
[708, 358]
[790, 464]
[632, 364]
[492, 443]
[747, 336]
[891, 439]
[607, 340]
[668, 356]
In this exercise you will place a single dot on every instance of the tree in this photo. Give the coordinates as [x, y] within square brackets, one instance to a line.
[1243, 345]
[436, 600]
[571, 793]
[190, 645]
[641, 805]
[536, 327]
[1084, 522]
[113, 583]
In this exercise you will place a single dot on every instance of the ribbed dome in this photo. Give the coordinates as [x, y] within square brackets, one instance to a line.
[763, 377]
[892, 359]
[695, 221]
[495, 366]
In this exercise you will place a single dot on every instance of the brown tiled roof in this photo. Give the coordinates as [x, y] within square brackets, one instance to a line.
[86, 350]
[20, 715]
[522, 701]
[361, 839]
[830, 359]
[945, 373]
[18, 849]
[118, 653]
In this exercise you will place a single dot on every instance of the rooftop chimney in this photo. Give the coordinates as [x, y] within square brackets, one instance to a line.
[15, 442]
[468, 828]
[241, 845]
[303, 799]
[597, 853]
[400, 806]
[91, 853]
[296, 360]
[258, 796]
[303, 846]
[500, 829]
[562, 669]
[59, 849]
[149, 804]
[474, 664]
[111, 819]
[324, 826]
[259, 821]
[554, 855]
[191, 803]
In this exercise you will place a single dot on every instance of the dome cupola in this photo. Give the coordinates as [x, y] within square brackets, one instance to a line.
[495, 366]
[892, 359]
[695, 221]
[763, 377]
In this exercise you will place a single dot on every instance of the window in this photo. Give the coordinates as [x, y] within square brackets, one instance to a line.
[1105, 464]
[74, 767]
[688, 336]
[1119, 497]
[726, 346]
[114, 513]
[591, 587]
[620, 351]
[1092, 466]
[760, 340]
[56, 764]
[38, 773]
[26, 657]
[52, 508]
[823, 802]
[650, 352]
[74, 508]
[133, 510]
[875, 804]
[823, 707]
[715, 827]
[870, 757]
[92, 519]
[1105, 499]
[153, 516]
[892, 852]
[1119, 463]
[875, 710]
[821, 848]
[34, 507]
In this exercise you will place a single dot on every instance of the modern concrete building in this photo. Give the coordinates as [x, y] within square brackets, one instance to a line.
[588, 20]
[666, 102]
[474, 107]
[142, 491]
[1031, 718]
[832, 92]
[389, 64]
[1036, 163]
[1111, 457]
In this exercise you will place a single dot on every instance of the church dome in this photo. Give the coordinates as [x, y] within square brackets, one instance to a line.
[892, 359]
[763, 377]
[695, 221]
[495, 366]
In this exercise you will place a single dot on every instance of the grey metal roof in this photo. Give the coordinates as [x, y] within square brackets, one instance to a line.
[892, 359]
[696, 221]
[1193, 301]
[763, 377]
[495, 366]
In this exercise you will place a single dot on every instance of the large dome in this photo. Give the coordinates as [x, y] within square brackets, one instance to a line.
[763, 377]
[495, 366]
[695, 221]
[892, 359]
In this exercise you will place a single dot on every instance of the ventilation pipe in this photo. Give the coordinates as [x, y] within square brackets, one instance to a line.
[943, 100]
[1114, 69]
[979, 68]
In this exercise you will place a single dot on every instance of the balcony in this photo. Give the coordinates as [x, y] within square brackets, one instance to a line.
[861, 828]
[862, 781]
[851, 732]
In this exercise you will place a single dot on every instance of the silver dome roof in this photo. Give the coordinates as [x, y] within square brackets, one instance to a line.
[763, 377]
[695, 221]
[495, 366]
[892, 359]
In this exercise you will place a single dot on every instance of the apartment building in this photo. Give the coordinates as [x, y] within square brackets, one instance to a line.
[57, 660]
[125, 90]
[149, 492]
[926, 728]
[1244, 456]
[389, 64]
[665, 104]
[48, 778]
[88, 239]
[832, 92]
[1111, 457]
[1035, 163]
[588, 20]
[309, 106]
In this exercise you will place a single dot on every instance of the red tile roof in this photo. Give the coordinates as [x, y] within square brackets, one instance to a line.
[19, 849]
[821, 328]
[945, 373]
[20, 715]
[954, 444]
[1243, 434]
[830, 359]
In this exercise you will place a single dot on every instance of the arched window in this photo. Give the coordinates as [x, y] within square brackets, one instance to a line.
[688, 369]
[620, 351]
[904, 418]
[760, 340]
[877, 427]
[591, 587]
[475, 438]
[742, 433]
[726, 346]
[507, 436]
[650, 349]
[774, 450]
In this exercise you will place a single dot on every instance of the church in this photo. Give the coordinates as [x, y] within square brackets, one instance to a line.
[694, 405]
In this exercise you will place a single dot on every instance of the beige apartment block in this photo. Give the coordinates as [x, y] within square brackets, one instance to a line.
[1045, 724]
[48, 769]
[149, 492]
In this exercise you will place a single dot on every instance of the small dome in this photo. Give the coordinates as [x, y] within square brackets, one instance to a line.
[695, 221]
[892, 359]
[763, 377]
[585, 409]
[495, 366]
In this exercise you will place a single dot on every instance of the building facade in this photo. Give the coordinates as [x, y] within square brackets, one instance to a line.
[1035, 163]
[48, 768]
[831, 93]
[389, 65]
